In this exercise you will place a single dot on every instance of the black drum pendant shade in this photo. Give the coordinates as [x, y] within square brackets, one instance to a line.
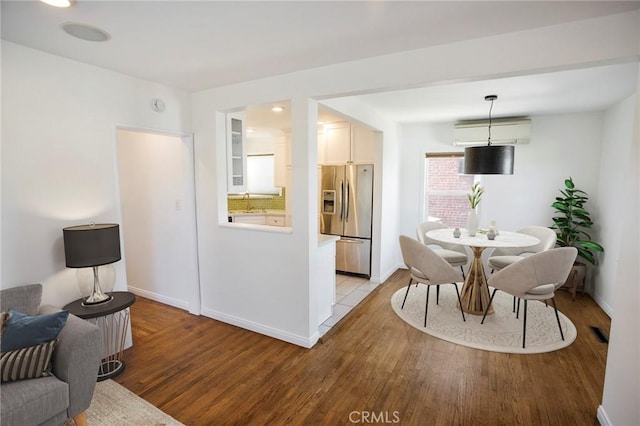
[489, 160]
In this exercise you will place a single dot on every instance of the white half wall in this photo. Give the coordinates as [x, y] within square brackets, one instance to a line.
[59, 121]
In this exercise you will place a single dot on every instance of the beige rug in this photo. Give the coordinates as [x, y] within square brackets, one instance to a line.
[501, 332]
[115, 405]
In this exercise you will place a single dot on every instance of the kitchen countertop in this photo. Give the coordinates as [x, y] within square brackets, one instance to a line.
[254, 212]
[326, 238]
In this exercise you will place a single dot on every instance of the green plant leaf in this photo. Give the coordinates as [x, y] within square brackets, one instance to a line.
[586, 255]
[590, 245]
[569, 183]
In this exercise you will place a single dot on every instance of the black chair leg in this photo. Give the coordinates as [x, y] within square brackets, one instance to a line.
[518, 310]
[489, 305]
[459, 301]
[514, 304]
[524, 324]
[557, 317]
[462, 269]
[407, 293]
[437, 294]
[426, 307]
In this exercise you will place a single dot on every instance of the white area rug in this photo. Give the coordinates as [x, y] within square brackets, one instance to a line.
[115, 405]
[501, 332]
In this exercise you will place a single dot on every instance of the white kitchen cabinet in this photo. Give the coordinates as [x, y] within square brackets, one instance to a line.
[346, 143]
[275, 220]
[236, 154]
[254, 219]
[280, 164]
[337, 143]
[362, 145]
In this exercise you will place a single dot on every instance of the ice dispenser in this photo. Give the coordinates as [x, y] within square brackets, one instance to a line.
[328, 201]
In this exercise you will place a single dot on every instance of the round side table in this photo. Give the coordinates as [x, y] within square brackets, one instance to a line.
[113, 319]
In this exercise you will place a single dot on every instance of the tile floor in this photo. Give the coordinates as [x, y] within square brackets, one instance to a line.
[350, 291]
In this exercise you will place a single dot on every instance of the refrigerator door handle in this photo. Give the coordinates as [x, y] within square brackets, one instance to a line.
[351, 241]
[341, 200]
[346, 203]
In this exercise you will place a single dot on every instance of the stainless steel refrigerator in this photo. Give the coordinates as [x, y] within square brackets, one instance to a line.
[346, 208]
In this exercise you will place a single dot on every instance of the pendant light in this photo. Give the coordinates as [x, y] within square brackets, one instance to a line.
[490, 159]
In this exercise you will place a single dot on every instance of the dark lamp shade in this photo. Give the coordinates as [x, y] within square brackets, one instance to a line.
[91, 245]
[489, 160]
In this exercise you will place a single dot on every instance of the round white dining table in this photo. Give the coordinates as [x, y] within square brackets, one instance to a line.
[475, 293]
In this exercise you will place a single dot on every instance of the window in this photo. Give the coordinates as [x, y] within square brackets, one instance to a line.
[446, 189]
[260, 174]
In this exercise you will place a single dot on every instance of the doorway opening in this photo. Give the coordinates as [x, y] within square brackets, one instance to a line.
[157, 198]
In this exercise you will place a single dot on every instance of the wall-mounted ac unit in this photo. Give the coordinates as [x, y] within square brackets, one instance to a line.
[504, 131]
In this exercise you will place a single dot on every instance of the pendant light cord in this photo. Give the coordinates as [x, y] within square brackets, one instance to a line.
[490, 108]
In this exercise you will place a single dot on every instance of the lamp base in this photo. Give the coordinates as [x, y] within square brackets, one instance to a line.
[92, 301]
[97, 296]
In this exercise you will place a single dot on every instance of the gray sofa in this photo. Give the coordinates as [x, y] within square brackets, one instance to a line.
[75, 362]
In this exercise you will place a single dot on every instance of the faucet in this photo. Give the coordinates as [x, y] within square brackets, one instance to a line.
[247, 197]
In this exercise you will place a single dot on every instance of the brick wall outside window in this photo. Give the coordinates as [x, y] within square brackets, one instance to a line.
[447, 191]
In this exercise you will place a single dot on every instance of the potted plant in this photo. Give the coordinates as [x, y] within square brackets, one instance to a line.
[474, 198]
[572, 221]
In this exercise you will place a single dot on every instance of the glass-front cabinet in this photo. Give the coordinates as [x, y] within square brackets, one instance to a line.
[236, 154]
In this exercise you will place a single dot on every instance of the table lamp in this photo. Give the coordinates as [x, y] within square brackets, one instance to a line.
[92, 246]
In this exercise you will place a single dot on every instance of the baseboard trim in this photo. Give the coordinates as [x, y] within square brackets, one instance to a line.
[262, 329]
[176, 303]
[605, 307]
[602, 417]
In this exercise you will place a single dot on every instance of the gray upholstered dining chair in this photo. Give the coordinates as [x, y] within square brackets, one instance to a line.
[535, 277]
[503, 257]
[428, 268]
[456, 255]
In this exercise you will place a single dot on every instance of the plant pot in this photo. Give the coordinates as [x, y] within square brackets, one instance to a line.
[576, 279]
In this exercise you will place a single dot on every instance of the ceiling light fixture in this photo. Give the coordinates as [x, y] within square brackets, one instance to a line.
[85, 32]
[277, 109]
[57, 3]
[490, 159]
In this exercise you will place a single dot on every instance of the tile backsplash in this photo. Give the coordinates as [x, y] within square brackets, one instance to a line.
[275, 202]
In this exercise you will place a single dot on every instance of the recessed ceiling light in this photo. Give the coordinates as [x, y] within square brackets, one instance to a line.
[277, 109]
[57, 3]
[85, 32]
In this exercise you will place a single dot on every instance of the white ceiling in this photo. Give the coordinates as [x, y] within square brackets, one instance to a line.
[195, 45]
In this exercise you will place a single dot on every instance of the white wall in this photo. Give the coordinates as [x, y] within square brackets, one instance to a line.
[158, 217]
[622, 384]
[561, 146]
[59, 158]
[613, 201]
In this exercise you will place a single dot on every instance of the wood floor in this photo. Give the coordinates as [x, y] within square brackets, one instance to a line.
[371, 366]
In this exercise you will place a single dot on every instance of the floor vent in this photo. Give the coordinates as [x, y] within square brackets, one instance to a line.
[599, 334]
